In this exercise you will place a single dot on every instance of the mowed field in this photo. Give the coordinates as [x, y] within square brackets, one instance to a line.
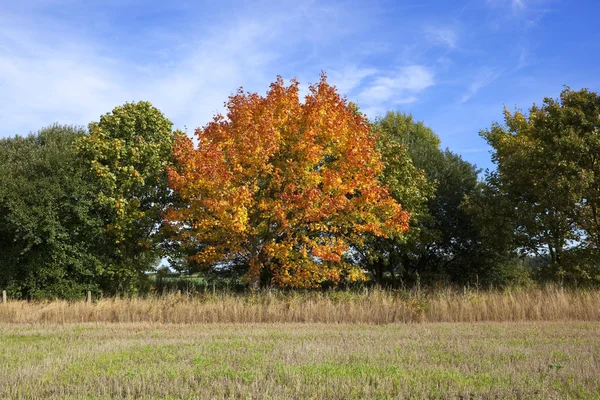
[543, 360]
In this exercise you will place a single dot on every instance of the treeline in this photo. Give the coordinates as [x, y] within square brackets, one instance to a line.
[289, 193]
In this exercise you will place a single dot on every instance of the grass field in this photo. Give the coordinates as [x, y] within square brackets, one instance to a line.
[541, 360]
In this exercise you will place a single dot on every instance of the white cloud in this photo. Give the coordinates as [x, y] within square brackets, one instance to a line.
[524, 8]
[44, 81]
[400, 86]
[472, 150]
[482, 78]
[195, 88]
[349, 78]
[523, 60]
[443, 35]
[518, 4]
[49, 72]
[41, 82]
[380, 90]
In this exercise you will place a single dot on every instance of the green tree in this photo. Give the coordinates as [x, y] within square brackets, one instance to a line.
[399, 140]
[50, 235]
[548, 167]
[492, 257]
[128, 152]
[445, 242]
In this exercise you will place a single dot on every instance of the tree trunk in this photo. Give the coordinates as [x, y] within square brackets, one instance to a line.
[255, 282]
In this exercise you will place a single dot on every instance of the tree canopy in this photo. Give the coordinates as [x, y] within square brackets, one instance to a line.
[284, 187]
[50, 235]
[127, 153]
[548, 170]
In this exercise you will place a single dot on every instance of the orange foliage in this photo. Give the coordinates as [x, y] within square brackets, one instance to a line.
[283, 186]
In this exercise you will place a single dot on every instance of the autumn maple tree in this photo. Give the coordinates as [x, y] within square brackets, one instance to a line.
[284, 187]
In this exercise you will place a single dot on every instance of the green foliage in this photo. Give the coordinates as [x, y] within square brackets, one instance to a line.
[406, 148]
[127, 153]
[492, 257]
[49, 233]
[445, 242]
[399, 140]
[548, 172]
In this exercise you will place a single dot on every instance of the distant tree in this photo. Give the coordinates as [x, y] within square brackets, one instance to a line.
[50, 234]
[283, 188]
[549, 170]
[493, 257]
[127, 153]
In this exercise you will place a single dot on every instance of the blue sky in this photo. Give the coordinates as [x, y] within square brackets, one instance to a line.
[452, 64]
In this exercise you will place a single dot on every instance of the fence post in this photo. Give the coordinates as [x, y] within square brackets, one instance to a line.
[89, 297]
[4, 297]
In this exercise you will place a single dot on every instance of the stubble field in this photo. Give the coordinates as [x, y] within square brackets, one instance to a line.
[540, 359]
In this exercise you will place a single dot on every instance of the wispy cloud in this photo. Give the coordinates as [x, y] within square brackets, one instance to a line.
[472, 150]
[518, 5]
[60, 75]
[349, 78]
[401, 86]
[515, 5]
[43, 79]
[442, 35]
[529, 12]
[482, 78]
[398, 85]
[192, 90]
[523, 59]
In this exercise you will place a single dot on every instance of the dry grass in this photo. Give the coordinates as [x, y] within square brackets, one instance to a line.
[375, 307]
[540, 360]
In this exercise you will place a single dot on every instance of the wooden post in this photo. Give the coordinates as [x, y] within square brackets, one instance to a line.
[89, 297]
[4, 297]
[418, 284]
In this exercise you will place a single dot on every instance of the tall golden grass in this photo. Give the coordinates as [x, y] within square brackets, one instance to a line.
[370, 307]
